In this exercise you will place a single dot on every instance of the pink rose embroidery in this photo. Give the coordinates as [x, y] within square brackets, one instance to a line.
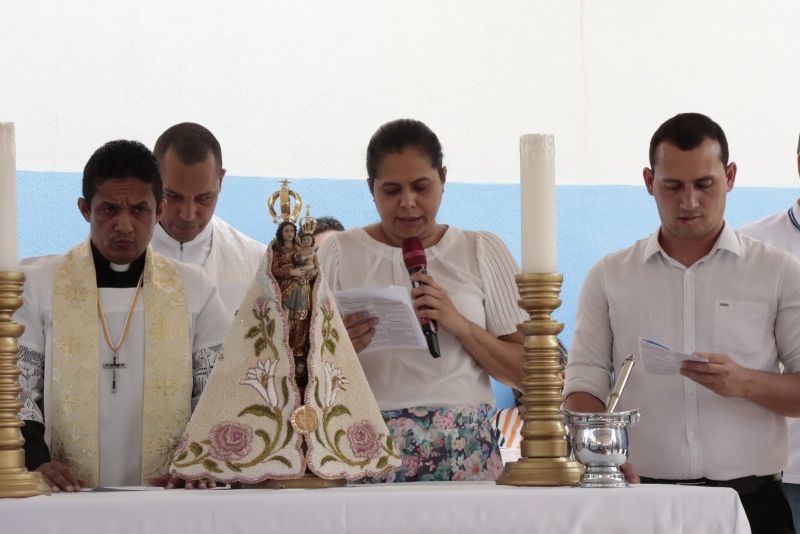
[230, 440]
[363, 440]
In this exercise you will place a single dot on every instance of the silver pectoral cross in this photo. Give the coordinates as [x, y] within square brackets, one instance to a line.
[114, 366]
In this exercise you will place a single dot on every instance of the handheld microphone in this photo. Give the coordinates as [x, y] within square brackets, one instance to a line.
[416, 262]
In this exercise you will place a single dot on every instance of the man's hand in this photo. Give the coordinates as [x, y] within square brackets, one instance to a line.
[174, 482]
[630, 473]
[721, 374]
[580, 401]
[774, 391]
[59, 477]
[360, 329]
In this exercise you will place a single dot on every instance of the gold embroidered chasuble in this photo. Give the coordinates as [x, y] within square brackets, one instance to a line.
[76, 367]
[249, 425]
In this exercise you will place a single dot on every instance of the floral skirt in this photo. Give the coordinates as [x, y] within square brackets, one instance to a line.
[449, 443]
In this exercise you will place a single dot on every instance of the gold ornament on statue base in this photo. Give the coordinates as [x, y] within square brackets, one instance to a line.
[15, 480]
[544, 457]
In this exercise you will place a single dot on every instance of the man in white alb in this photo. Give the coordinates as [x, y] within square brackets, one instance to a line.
[698, 287]
[783, 231]
[119, 341]
[190, 159]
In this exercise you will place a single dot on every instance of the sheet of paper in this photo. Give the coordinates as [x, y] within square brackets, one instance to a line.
[398, 326]
[661, 360]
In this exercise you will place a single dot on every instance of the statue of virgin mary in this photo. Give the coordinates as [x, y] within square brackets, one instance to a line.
[287, 398]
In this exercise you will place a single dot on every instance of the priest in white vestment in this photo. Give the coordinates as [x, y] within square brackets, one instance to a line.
[119, 340]
[190, 159]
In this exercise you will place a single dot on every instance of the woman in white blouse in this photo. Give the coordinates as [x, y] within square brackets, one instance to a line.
[436, 408]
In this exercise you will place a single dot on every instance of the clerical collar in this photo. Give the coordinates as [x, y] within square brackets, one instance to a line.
[117, 268]
[114, 275]
[199, 240]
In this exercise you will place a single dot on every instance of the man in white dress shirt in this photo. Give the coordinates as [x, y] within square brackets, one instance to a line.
[698, 287]
[190, 159]
[783, 230]
[119, 341]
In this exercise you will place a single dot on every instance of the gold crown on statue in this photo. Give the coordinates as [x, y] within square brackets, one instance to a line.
[308, 223]
[287, 211]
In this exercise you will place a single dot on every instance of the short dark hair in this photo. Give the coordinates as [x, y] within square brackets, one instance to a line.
[687, 131]
[397, 135]
[191, 143]
[121, 159]
[798, 145]
[328, 223]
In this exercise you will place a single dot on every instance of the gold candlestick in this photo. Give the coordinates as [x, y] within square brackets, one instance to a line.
[544, 460]
[15, 480]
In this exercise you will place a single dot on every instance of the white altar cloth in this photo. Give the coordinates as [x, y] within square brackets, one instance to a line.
[463, 507]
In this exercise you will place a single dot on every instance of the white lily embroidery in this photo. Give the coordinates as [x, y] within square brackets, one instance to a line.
[262, 378]
[334, 382]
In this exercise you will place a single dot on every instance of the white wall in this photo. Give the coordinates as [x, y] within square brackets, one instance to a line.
[297, 88]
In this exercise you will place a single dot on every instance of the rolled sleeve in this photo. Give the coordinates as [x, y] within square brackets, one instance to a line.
[787, 319]
[589, 364]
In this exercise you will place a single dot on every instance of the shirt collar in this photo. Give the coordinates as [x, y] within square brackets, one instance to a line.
[161, 235]
[727, 240]
[794, 214]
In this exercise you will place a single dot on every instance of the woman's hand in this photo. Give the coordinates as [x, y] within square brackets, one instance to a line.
[360, 328]
[500, 357]
[430, 301]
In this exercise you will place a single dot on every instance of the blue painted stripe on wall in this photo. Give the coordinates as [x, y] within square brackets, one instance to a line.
[592, 220]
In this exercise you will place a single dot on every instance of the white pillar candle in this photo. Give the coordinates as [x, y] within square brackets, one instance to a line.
[8, 198]
[538, 197]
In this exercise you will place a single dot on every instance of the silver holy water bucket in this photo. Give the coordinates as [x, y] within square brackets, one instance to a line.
[600, 442]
